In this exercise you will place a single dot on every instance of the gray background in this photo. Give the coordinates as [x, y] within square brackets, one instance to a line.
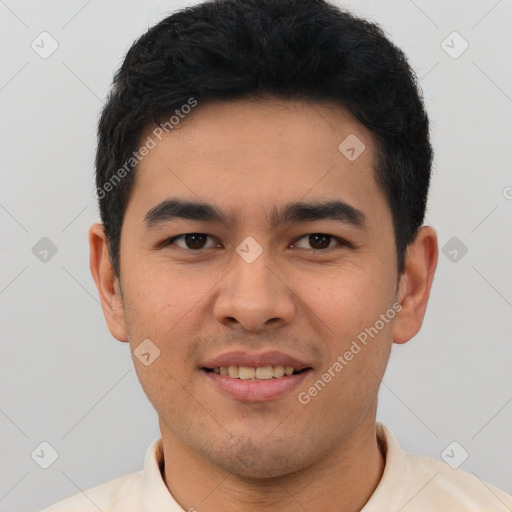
[66, 381]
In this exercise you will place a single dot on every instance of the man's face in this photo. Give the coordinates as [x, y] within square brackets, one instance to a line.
[203, 303]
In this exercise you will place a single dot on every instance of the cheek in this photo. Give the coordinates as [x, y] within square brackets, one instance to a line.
[159, 296]
[162, 304]
[346, 299]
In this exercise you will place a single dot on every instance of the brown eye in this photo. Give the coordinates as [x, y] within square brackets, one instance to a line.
[191, 241]
[320, 241]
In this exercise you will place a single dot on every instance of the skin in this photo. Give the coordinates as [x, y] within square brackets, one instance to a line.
[245, 157]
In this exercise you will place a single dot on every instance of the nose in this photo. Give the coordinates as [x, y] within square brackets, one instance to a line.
[255, 296]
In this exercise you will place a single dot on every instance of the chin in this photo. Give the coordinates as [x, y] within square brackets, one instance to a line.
[260, 470]
[252, 463]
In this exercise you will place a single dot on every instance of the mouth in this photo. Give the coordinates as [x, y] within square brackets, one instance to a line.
[256, 373]
[255, 377]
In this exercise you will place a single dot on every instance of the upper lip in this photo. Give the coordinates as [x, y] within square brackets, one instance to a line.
[244, 358]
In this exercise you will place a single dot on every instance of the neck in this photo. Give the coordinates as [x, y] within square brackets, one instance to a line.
[343, 480]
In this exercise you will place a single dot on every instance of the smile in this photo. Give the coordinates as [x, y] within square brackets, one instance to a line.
[255, 384]
[258, 373]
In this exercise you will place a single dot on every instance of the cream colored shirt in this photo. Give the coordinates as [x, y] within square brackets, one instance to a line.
[410, 483]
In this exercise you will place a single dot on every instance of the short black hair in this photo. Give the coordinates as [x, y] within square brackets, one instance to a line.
[308, 50]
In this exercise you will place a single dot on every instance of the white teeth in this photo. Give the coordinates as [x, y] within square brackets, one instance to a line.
[264, 372]
[259, 373]
[245, 372]
[278, 371]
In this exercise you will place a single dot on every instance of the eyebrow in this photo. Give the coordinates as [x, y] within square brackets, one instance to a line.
[291, 213]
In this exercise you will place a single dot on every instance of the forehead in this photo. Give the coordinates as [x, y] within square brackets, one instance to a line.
[254, 154]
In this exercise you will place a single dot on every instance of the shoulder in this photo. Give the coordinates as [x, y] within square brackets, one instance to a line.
[416, 483]
[121, 494]
[438, 485]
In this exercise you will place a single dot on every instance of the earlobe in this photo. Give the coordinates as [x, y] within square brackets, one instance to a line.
[107, 282]
[415, 284]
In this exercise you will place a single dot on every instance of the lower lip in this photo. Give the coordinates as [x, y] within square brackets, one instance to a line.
[256, 390]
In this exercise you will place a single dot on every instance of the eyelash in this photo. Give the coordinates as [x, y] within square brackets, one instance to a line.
[340, 241]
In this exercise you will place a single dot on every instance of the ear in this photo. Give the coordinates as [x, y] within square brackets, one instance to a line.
[107, 283]
[415, 284]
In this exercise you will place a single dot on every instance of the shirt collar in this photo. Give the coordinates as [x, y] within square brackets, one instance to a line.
[155, 494]
[389, 493]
